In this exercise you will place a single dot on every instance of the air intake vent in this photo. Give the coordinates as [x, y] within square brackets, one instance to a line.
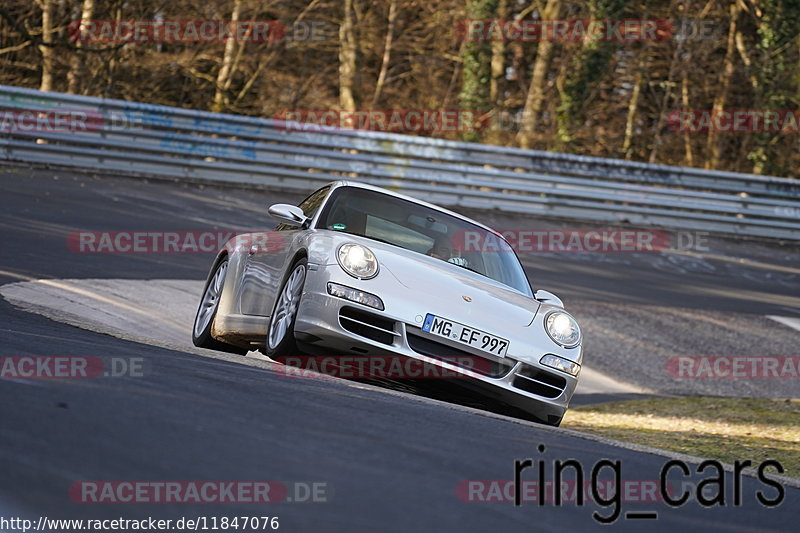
[539, 382]
[454, 356]
[367, 325]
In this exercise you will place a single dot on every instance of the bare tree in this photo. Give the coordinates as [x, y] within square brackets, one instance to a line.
[633, 104]
[408, 54]
[76, 63]
[45, 49]
[498, 58]
[387, 52]
[536, 91]
[348, 50]
[226, 69]
[712, 143]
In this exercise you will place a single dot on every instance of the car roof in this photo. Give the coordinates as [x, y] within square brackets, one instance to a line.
[361, 185]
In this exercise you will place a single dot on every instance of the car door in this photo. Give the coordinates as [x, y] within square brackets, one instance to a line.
[268, 260]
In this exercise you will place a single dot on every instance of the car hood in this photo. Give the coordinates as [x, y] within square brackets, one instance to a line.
[455, 293]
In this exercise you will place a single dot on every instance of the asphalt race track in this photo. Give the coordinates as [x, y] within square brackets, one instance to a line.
[381, 459]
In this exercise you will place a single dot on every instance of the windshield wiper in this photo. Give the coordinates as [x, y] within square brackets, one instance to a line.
[469, 268]
[378, 239]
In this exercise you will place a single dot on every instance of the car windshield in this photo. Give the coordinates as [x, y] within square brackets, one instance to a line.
[423, 230]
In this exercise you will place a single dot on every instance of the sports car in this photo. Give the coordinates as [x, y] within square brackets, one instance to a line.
[356, 269]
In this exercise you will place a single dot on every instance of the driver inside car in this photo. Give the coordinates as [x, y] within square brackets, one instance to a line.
[442, 250]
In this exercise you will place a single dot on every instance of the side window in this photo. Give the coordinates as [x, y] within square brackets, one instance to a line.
[309, 206]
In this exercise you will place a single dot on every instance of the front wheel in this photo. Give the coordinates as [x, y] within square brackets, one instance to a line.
[201, 332]
[280, 336]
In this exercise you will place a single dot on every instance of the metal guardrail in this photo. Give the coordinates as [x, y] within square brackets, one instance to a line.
[145, 139]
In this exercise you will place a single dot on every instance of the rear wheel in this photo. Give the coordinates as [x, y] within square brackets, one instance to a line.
[203, 320]
[280, 335]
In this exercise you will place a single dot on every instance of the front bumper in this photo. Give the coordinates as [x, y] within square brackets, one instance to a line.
[325, 324]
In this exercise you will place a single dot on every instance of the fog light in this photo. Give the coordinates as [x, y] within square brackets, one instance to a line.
[354, 295]
[559, 363]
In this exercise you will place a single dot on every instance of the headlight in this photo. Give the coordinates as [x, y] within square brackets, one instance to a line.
[563, 329]
[357, 260]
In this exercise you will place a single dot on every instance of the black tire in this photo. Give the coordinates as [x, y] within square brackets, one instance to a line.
[287, 344]
[201, 334]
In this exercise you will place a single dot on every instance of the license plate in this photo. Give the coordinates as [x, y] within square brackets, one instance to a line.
[475, 338]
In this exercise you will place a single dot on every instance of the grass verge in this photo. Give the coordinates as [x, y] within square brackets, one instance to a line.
[726, 429]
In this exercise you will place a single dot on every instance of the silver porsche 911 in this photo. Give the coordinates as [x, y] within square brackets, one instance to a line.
[356, 269]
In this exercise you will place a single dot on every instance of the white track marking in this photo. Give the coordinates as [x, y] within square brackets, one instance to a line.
[793, 323]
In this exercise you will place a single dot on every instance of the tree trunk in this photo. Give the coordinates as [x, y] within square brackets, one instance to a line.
[662, 112]
[76, 62]
[47, 39]
[687, 139]
[748, 63]
[498, 64]
[721, 98]
[347, 59]
[535, 98]
[226, 70]
[633, 104]
[387, 53]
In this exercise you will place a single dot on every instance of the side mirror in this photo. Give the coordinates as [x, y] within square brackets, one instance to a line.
[288, 214]
[548, 297]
